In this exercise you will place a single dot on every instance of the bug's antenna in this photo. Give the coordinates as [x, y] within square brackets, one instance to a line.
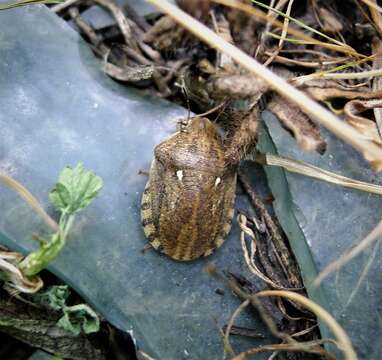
[182, 86]
[217, 107]
[223, 107]
[184, 91]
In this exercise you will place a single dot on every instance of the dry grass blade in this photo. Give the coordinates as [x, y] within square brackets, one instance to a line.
[364, 272]
[370, 151]
[292, 40]
[302, 168]
[30, 199]
[352, 76]
[303, 25]
[227, 344]
[345, 258]
[18, 3]
[305, 63]
[297, 81]
[283, 34]
[299, 34]
[64, 5]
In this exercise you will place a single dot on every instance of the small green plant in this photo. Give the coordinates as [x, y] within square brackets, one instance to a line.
[74, 191]
[77, 318]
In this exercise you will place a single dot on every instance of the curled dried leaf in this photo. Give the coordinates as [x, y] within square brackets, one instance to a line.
[366, 127]
[305, 131]
[324, 89]
[165, 34]
[199, 9]
[236, 86]
[129, 73]
[322, 94]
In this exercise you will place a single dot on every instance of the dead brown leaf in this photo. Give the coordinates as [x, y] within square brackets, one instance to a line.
[304, 130]
[236, 86]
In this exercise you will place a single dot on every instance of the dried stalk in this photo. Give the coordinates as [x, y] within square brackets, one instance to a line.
[64, 5]
[249, 258]
[352, 76]
[30, 199]
[315, 172]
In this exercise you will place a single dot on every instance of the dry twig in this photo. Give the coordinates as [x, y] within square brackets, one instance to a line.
[30, 199]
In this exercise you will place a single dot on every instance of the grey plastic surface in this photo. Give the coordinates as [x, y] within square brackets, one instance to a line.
[98, 17]
[41, 355]
[57, 109]
[322, 221]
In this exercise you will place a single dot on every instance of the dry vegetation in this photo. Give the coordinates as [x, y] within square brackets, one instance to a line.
[311, 63]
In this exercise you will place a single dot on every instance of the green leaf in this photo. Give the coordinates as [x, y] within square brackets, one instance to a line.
[55, 297]
[76, 318]
[75, 189]
[79, 317]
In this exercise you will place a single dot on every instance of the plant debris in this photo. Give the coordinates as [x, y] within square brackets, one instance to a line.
[74, 191]
[329, 51]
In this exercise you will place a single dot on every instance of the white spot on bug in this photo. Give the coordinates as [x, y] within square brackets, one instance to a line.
[208, 252]
[217, 181]
[155, 244]
[219, 242]
[179, 174]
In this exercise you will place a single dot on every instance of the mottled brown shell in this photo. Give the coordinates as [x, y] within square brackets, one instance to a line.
[187, 205]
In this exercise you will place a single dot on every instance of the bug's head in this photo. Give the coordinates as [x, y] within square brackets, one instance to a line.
[198, 125]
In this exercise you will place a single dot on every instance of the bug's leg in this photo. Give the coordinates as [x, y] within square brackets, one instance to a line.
[144, 172]
[147, 247]
[242, 137]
